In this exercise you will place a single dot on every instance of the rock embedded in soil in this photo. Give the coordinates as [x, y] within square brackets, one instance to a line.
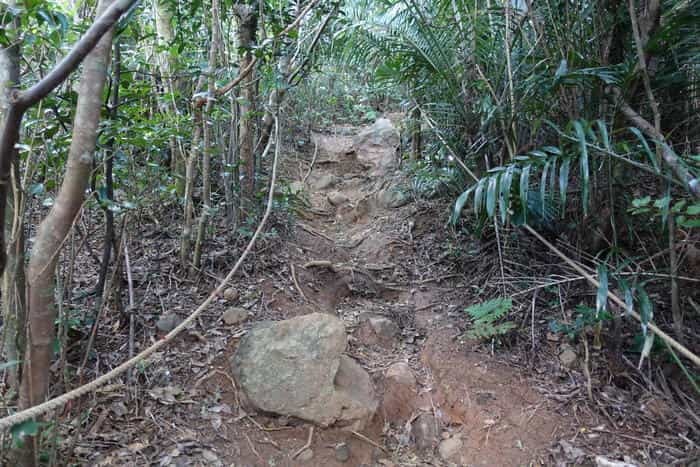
[234, 316]
[424, 432]
[567, 357]
[342, 452]
[393, 198]
[326, 181]
[376, 145]
[168, 322]
[450, 448]
[376, 330]
[297, 368]
[337, 198]
[306, 455]
[231, 294]
[400, 393]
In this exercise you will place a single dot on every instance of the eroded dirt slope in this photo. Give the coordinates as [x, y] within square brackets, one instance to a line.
[362, 247]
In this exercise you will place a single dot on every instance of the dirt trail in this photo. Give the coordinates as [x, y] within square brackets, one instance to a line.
[354, 255]
[367, 252]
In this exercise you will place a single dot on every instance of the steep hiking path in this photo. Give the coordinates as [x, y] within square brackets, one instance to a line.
[341, 344]
[368, 253]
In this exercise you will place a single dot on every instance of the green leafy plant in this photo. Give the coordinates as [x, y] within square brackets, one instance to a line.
[485, 318]
[585, 317]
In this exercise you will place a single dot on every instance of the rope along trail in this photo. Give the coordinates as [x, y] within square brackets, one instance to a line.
[57, 402]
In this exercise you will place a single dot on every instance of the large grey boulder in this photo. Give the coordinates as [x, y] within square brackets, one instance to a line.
[298, 368]
[377, 145]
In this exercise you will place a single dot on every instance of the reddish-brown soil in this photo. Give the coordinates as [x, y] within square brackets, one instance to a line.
[393, 262]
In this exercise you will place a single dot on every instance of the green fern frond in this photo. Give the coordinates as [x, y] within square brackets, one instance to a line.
[485, 316]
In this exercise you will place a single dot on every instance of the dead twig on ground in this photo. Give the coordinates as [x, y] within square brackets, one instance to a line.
[305, 446]
[313, 161]
[313, 231]
[367, 440]
[296, 282]
[252, 447]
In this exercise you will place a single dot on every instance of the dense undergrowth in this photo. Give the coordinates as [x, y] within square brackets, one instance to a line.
[578, 120]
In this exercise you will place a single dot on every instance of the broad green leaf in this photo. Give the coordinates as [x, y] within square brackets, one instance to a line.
[553, 180]
[491, 196]
[524, 187]
[629, 298]
[693, 210]
[688, 223]
[538, 153]
[543, 183]
[504, 197]
[603, 129]
[459, 205]
[21, 430]
[646, 348]
[646, 308]
[561, 70]
[564, 182]
[641, 202]
[478, 194]
[645, 145]
[662, 204]
[583, 160]
[601, 298]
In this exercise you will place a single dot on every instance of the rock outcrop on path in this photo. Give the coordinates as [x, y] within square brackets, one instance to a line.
[298, 368]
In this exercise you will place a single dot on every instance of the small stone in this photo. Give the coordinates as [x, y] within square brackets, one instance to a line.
[327, 181]
[424, 432]
[234, 316]
[568, 357]
[231, 294]
[449, 449]
[337, 198]
[393, 198]
[167, 322]
[601, 461]
[342, 452]
[377, 329]
[552, 337]
[306, 455]
[400, 392]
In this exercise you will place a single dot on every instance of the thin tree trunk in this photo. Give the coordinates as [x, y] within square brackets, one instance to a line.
[56, 226]
[21, 101]
[207, 126]
[247, 27]
[416, 143]
[167, 63]
[109, 172]
[190, 176]
[13, 303]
